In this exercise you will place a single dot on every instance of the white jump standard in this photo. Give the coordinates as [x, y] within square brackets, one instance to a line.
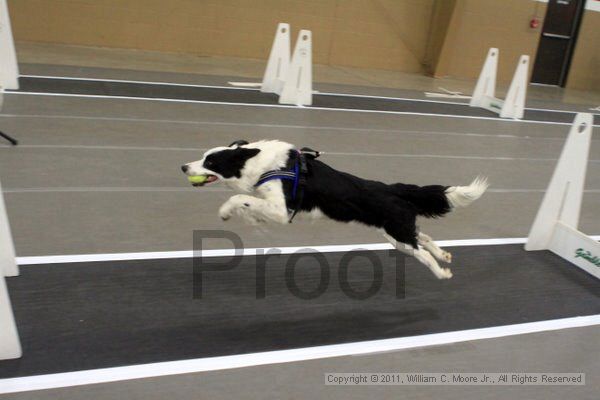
[10, 346]
[297, 88]
[555, 226]
[9, 69]
[484, 95]
[289, 78]
[279, 61]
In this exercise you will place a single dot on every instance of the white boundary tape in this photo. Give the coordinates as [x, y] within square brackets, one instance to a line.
[88, 377]
[289, 107]
[80, 258]
[255, 86]
[50, 381]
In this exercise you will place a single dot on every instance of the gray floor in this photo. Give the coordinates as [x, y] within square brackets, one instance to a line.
[101, 175]
[98, 176]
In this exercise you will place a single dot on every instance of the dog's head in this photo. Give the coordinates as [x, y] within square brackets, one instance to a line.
[220, 164]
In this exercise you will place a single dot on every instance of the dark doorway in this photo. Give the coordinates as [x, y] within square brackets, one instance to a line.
[557, 42]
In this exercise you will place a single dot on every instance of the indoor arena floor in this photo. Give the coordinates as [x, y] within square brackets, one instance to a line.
[97, 172]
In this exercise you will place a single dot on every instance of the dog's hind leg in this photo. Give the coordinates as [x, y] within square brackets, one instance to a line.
[428, 244]
[422, 255]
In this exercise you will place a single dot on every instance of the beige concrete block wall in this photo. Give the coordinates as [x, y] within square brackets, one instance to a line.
[386, 34]
[439, 37]
[443, 10]
[585, 65]
[477, 25]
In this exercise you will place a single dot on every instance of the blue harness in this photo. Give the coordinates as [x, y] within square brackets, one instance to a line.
[287, 174]
[296, 173]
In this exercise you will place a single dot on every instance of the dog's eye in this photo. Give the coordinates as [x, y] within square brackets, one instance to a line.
[208, 163]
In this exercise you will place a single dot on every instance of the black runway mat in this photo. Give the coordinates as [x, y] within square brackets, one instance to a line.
[125, 89]
[107, 314]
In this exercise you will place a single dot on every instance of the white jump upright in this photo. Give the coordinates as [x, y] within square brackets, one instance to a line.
[555, 226]
[279, 61]
[10, 346]
[484, 95]
[9, 69]
[8, 265]
[291, 79]
[297, 88]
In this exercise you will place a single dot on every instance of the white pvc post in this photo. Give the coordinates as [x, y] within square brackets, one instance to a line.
[562, 201]
[8, 265]
[298, 83]
[9, 69]
[10, 346]
[514, 104]
[279, 61]
[486, 84]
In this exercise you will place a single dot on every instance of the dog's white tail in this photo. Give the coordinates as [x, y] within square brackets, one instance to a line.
[462, 196]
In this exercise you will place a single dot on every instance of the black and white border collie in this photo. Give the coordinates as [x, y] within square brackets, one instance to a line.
[333, 194]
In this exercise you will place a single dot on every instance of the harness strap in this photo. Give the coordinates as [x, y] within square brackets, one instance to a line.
[297, 174]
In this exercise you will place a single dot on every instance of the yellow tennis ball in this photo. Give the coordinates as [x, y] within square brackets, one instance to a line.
[197, 178]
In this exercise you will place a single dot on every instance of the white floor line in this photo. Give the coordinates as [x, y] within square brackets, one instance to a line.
[496, 190]
[304, 127]
[288, 107]
[95, 376]
[324, 152]
[255, 89]
[73, 78]
[79, 258]
[95, 147]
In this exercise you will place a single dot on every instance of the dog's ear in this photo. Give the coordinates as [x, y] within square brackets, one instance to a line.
[239, 157]
[238, 143]
[243, 154]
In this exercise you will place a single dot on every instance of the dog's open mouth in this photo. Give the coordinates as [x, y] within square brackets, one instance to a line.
[201, 180]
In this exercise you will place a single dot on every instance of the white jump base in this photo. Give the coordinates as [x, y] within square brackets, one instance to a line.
[484, 95]
[555, 226]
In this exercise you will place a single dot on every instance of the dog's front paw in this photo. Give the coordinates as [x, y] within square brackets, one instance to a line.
[444, 273]
[447, 256]
[226, 211]
[238, 203]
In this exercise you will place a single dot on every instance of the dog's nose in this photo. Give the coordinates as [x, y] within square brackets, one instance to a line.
[185, 168]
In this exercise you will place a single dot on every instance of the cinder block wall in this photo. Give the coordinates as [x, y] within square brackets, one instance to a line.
[386, 34]
[477, 25]
[439, 37]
